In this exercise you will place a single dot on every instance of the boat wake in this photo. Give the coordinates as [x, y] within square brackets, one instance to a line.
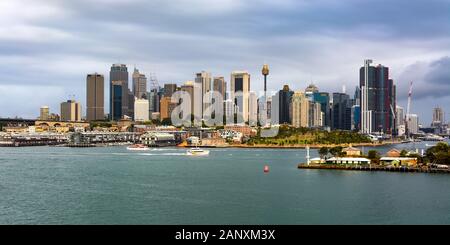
[162, 154]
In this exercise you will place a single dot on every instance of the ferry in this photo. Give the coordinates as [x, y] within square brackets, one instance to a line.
[137, 147]
[197, 152]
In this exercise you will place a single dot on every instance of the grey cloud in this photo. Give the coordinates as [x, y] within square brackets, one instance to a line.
[324, 41]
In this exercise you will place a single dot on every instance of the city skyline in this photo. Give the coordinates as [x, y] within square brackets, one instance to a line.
[304, 46]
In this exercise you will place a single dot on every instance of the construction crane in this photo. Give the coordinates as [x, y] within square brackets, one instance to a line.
[394, 116]
[154, 82]
[408, 111]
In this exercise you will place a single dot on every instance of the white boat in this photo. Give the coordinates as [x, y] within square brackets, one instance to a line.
[138, 147]
[197, 152]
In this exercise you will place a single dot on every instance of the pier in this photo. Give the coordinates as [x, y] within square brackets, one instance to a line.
[402, 169]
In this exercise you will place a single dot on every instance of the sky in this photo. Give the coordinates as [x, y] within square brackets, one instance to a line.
[47, 47]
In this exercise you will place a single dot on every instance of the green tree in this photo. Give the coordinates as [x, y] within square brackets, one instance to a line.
[323, 152]
[439, 154]
[403, 153]
[373, 155]
[336, 151]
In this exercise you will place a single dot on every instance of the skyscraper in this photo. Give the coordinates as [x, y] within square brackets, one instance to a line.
[188, 87]
[285, 97]
[438, 117]
[341, 112]
[315, 115]
[153, 99]
[95, 95]
[378, 99]
[202, 86]
[169, 89]
[219, 85]
[252, 109]
[44, 113]
[413, 124]
[139, 84]
[324, 100]
[400, 115]
[141, 113]
[240, 83]
[70, 111]
[300, 110]
[118, 77]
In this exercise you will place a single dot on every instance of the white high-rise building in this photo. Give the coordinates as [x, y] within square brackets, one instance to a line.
[229, 108]
[202, 86]
[141, 112]
[252, 109]
[413, 124]
[240, 83]
[400, 115]
[366, 114]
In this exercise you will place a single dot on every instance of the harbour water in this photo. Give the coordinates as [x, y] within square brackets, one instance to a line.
[110, 185]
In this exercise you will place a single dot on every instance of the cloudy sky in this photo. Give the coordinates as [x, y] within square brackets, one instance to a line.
[48, 46]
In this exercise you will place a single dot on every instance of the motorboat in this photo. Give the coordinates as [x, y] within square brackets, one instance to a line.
[137, 147]
[197, 152]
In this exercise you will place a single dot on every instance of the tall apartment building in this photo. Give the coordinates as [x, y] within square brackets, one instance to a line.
[95, 96]
[70, 111]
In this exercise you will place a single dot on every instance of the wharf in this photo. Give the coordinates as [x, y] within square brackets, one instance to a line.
[374, 168]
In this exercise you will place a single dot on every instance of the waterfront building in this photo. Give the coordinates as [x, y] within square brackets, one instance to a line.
[399, 161]
[352, 151]
[44, 113]
[240, 83]
[220, 86]
[341, 112]
[158, 139]
[413, 124]
[202, 86]
[348, 160]
[71, 111]
[252, 109]
[243, 129]
[300, 110]
[378, 99]
[141, 112]
[139, 85]
[118, 92]
[284, 100]
[95, 94]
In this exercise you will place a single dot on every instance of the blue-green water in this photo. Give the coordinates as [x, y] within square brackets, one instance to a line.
[56, 185]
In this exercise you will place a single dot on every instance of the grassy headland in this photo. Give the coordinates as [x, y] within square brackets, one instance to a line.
[300, 137]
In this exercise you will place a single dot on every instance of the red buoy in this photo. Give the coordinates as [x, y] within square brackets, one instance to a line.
[266, 169]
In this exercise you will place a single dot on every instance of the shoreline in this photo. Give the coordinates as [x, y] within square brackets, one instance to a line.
[372, 168]
[315, 146]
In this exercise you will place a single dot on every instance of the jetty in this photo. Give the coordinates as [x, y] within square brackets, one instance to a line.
[373, 168]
